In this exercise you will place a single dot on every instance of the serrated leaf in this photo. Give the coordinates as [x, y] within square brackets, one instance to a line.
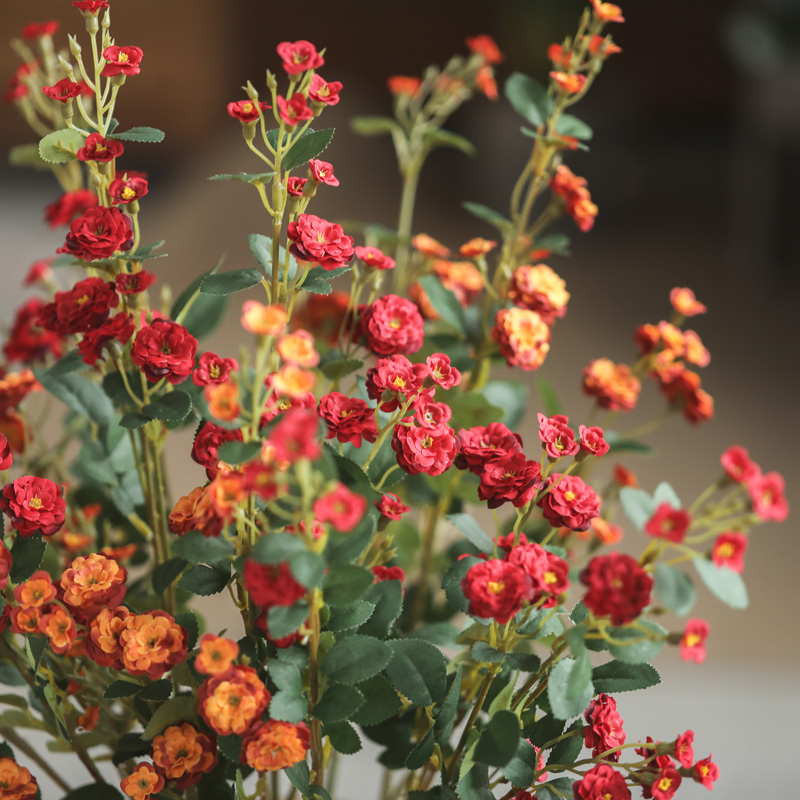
[341, 368]
[307, 568]
[638, 505]
[158, 691]
[61, 146]
[473, 531]
[564, 707]
[554, 242]
[230, 747]
[569, 125]
[387, 597]
[199, 313]
[448, 710]
[172, 407]
[725, 584]
[638, 652]
[70, 362]
[381, 702]
[274, 548]
[349, 616]
[542, 622]
[356, 658]
[224, 283]
[188, 621]
[343, 737]
[244, 177]
[203, 580]
[165, 573]
[80, 394]
[298, 775]
[346, 583]
[140, 134]
[339, 703]
[567, 750]
[580, 677]
[509, 396]
[374, 126]
[619, 444]
[487, 215]
[561, 788]
[551, 404]
[288, 704]
[664, 493]
[520, 770]
[179, 709]
[417, 670]
[26, 556]
[451, 583]
[498, 741]
[308, 146]
[121, 689]
[238, 452]
[195, 547]
[34, 649]
[283, 620]
[674, 588]
[443, 301]
[27, 155]
[529, 98]
[616, 676]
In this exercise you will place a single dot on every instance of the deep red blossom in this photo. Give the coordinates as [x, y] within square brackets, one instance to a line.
[322, 91]
[341, 507]
[278, 403]
[98, 233]
[684, 750]
[6, 460]
[39, 273]
[427, 450]
[430, 414]
[122, 61]
[603, 730]
[392, 325]
[119, 327]
[65, 89]
[558, 439]
[511, 478]
[294, 188]
[729, 549]
[213, 369]
[164, 349]
[98, 148]
[246, 110]
[569, 503]
[33, 504]
[706, 772]
[738, 465]
[27, 340]
[5, 567]
[693, 641]
[394, 380]
[602, 782]
[82, 308]
[593, 441]
[127, 189]
[668, 523]
[617, 587]
[442, 372]
[495, 589]
[372, 257]
[294, 110]
[37, 30]
[767, 494]
[322, 172]
[207, 443]
[69, 206]
[391, 506]
[271, 584]
[349, 419]
[484, 444]
[296, 435]
[299, 56]
[666, 783]
[548, 572]
[384, 573]
[319, 241]
[134, 282]
[90, 6]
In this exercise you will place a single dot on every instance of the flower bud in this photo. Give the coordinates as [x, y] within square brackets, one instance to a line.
[272, 83]
[74, 47]
[252, 92]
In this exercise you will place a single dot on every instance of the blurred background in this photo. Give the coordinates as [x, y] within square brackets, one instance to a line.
[694, 165]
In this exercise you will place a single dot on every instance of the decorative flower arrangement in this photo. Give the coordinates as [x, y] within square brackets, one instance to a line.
[355, 441]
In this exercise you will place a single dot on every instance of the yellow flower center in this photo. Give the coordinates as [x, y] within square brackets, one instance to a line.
[664, 784]
[122, 58]
[427, 441]
[550, 577]
[128, 193]
[35, 502]
[81, 300]
[213, 371]
[495, 587]
[395, 323]
[247, 107]
[399, 382]
[569, 496]
[725, 550]
[692, 640]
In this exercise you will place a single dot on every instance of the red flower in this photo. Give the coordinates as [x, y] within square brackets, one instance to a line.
[296, 436]
[706, 772]
[558, 439]
[427, 450]
[317, 240]
[384, 573]
[607, 12]
[164, 349]
[122, 61]
[602, 782]
[442, 372]
[119, 327]
[341, 507]
[666, 783]
[294, 188]
[729, 550]
[278, 402]
[5, 559]
[40, 272]
[271, 584]
[36, 30]
[483, 445]
[549, 574]
[495, 589]
[668, 523]
[430, 414]
[684, 301]
[391, 507]
[392, 325]
[65, 89]
[393, 381]
[28, 340]
[322, 172]
[738, 465]
[90, 6]
[349, 419]
[246, 110]
[6, 459]
[577, 199]
[603, 730]
[372, 257]
[134, 282]
[404, 85]
[80, 309]
[207, 444]
[693, 641]
[98, 148]
[126, 190]
[768, 497]
[69, 206]
[98, 233]
[538, 288]
[509, 479]
[522, 337]
[294, 110]
[322, 91]
[299, 56]
[593, 441]
[213, 369]
[569, 503]
[571, 84]
[684, 751]
[617, 587]
[486, 47]
[33, 504]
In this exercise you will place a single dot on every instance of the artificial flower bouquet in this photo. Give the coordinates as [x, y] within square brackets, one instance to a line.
[397, 563]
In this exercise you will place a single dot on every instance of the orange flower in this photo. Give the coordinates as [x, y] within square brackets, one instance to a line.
[462, 278]
[223, 400]
[483, 45]
[16, 782]
[571, 84]
[36, 592]
[152, 644]
[298, 348]
[14, 428]
[275, 745]
[143, 782]
[263, 320]
[559, 55]
[226, 491]
[685, 303]
[292, 381]
[608, 12]
[606, 532]
[423, 302]
[428, 246]
[323, 315]
[231, 703]
[404, 85]
[603, 46]
[613, 385]
[694, 351]
[74, 541]
[25, 620]
[216, 655]
[486, 83]
[624, 477]
[539, 289]
[15, 387]
[102, 644]
[93, 581]
[476, 247]
[522, 336]
[196, 512]
[59, 627]
[182, 754]
[88, 719]
[577, 198]
[121, 553]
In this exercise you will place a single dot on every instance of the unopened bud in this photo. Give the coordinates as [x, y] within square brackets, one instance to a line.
[252, 92]
[107, 19]
[66, 68]
[272, 83]
[74, 47]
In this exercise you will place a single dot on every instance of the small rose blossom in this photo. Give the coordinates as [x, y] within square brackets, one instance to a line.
[430, 414]
[341, 507]
[729, 549]
[666, 783]
[593, 441]
[476, 247]
[617, 587]
[486, 47]
[349, 419]
[668, 523]
[322, 172]
[127, 189]
[40, 273]
[207, 443]
[522, 337]
[69, 206]
[442, 372]
[404, 85]
[427, 450]
[612, 385]
[217, 655]
[98, 148]
[90, 6]
[38, 30]
[558, 439]
[608, 12]
[120, 327]
[393, 381]
[570, 84]
[6, 457]
[296, 436]
[294, 110]
[391, 325]
[509, 479]
[98, 233]
[602, 782]
[389, 505]
[263, 320]
[299, 56]
[576, 196]
[706, 772]
[495, 589]
[684, 750]
[738, 465]
[372, 257]
[130, 283]
[294, 186]
[767, 494]
[319, 241]
[143, 782]
[693, 641]
[538, 288]
[33, 504]
[271, 584]
[603, 730]
[322, 91]
[246, 110]
[685, 303]
[122, 61]
[298, 348]
[164, 349]
[65, 90]
[485, 444]
[429, 247]
[569, 503]
[294, 382]
[213, 369]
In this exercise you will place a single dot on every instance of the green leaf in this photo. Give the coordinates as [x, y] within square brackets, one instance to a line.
[509, 396]
[343, 738]
[541, 623]
[288, 704]
[557, 243]
[499, 740]
[165, 573]
[261, 248]
[70, 362]
[387, 597]
[447, 712]
[244, 177]
[580, 677]
[9, 675]
[34, 649]
[298, 775]
[451, 583]
[442, 138]
[346, 583]
[664, 493]
[59, 147]
[340, 368]
[564, 707]
[121, 689]
[274, 548]
[487, 215]
[199, 313]
[567, 750]
[223, 283]
[140, 134]
[422, 751]
[616, 676]
[674, 588]
[568, 125]
[339, 702]
[308, 146]
[725, 584]
[146, 251]
[444, 302]
[158, 691]
[469, 409]
[638, 505]
[473, 782]
[94, 791]
[318, 280]
[484, 653]
[80, 394]
[356, 658]
[551, 404]
[619, 444]
[27, 155]
[442, 633]
[381, 701]
[26, 557]
[171, 407]
[529, 98]
[418, 670]
[195, 547]
[283, 620]
[349, 616]
[180, 709]
[561, 788]
[638, 652]
[204, 580]
[374, 126]
[188, 621]
[230, 747]
[238, 452]
[307, 568]
[473, 531]
[520, 770]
